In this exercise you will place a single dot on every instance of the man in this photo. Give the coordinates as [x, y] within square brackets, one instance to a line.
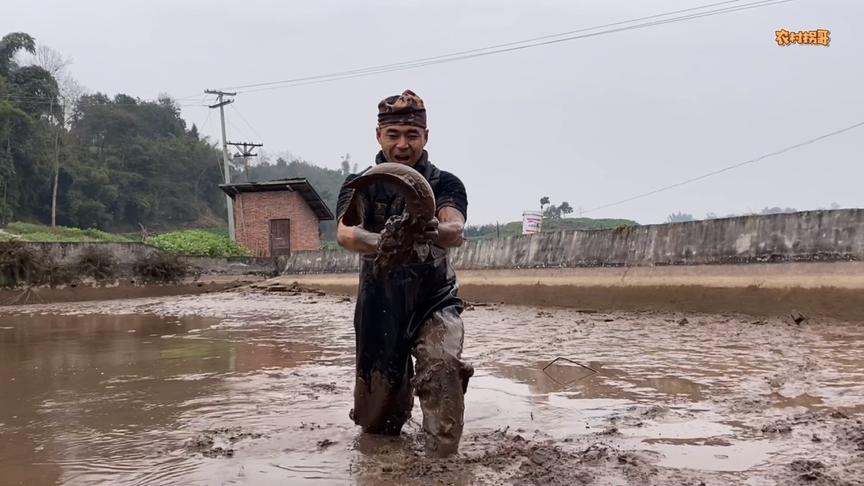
[411, 310]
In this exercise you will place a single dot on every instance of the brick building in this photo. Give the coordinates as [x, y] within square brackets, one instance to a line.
[277, 217]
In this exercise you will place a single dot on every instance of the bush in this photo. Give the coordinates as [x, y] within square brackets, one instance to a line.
[161, 268]
[21, 265]
[97, 263]
[17, 264]
[198, 243]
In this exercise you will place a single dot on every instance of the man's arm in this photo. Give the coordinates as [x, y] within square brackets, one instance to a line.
[357, 239]
[354, 238]
[451, 227]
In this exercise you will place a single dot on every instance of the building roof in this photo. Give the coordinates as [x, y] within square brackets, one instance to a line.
[297, 184]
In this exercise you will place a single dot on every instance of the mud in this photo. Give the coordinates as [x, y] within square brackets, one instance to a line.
[254, 387]
[217, 443]
[121, 289]
[824, 302]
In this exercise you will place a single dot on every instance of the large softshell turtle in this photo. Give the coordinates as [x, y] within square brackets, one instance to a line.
[397, 237]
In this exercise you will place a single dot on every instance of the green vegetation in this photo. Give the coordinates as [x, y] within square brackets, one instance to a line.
[59, 234]
[585, 224]
[514, 228]
[115, 163]
[198, 243]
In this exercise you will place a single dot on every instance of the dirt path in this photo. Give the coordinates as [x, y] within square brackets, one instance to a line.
[254, 388]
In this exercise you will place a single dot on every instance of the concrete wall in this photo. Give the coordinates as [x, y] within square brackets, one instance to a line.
[835, 235]
[254, 210]
[235, 265]
[126, 254]
[324, 261]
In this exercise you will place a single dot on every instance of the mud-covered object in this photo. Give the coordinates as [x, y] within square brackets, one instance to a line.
[397, 244]
[410, 309]
[446, 187]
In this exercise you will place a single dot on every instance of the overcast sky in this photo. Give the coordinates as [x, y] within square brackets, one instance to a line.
[589, 121]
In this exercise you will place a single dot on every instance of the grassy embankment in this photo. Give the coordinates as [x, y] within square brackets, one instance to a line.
[199, 242]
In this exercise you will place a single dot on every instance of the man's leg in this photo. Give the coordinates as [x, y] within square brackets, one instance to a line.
[383, 396]
[441, 380]
[383, 402]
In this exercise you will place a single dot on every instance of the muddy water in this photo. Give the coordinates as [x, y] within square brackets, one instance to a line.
[254, 388]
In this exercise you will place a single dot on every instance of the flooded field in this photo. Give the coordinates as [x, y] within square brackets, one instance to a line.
[255, 388]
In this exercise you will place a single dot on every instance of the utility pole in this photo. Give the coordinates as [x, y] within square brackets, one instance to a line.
[246, 151]
[220, 103]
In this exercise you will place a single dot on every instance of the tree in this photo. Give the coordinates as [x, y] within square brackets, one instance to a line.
[10, 45]
[35, 90]
[346, 164]
[108, 162]
[710, 215]
[552, 212]
[49, 59]
[565, 208]
[30, 94]
[69, 92]
[679, 218]
[543, 201]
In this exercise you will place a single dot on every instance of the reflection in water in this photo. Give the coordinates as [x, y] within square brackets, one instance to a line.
[130, 392]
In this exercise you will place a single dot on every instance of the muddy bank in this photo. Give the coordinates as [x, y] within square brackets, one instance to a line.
[835, 303]
[834, 290]
[68, 272]
[253, 387]
[124, 289]
[845, 304]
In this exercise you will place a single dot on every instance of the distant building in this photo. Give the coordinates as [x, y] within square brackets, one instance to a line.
[277, 217]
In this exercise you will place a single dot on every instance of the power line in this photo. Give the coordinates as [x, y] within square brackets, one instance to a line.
[513, 49]
[731, 167]
[469, 51]
[498, 48]
[235, 128]
[202, 130]
[511, 46]
[443, 61]
[245, 120]
[45, 100]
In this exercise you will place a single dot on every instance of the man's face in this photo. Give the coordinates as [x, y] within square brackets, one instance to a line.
[402, 144]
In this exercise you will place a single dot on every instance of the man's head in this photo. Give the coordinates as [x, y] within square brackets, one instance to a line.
[401, 130]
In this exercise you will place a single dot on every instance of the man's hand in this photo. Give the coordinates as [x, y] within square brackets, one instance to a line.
[357, 239]
[451, 229]
[429, 234]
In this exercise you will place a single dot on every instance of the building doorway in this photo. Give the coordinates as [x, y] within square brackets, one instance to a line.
[280, 237]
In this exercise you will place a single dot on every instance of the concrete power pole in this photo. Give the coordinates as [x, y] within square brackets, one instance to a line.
[246, 151]
[229, 203]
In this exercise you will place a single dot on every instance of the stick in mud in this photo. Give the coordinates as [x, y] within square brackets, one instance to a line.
[561, 358]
